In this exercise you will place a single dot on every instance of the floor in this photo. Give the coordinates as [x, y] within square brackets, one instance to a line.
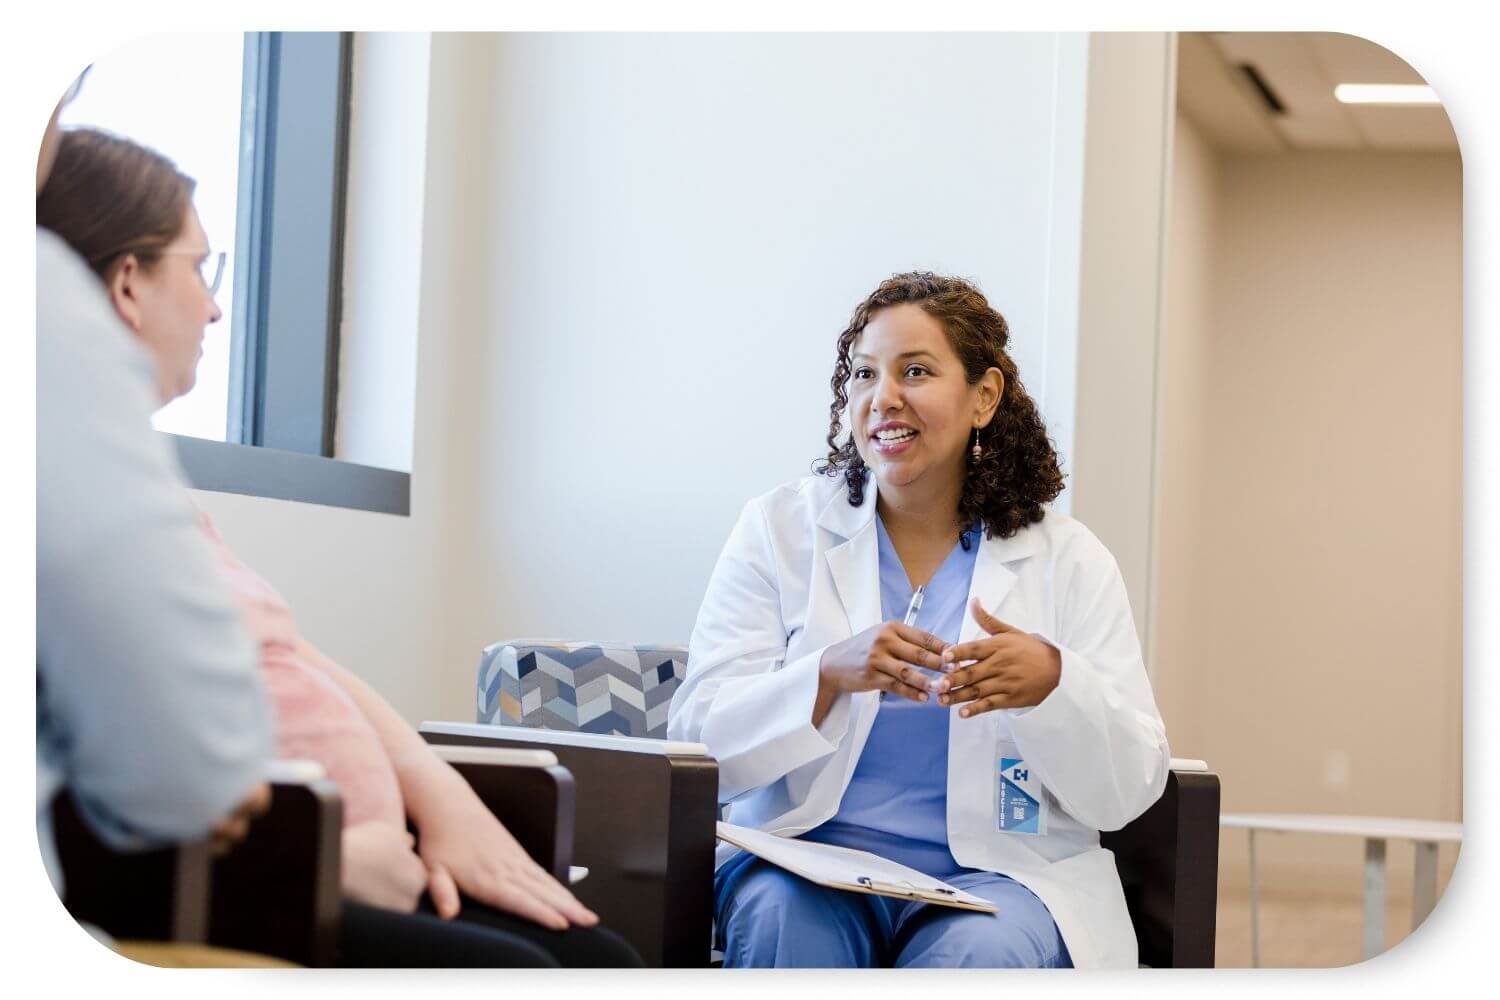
[1308, 932]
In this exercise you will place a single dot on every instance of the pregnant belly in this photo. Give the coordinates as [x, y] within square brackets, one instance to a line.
[316, 720]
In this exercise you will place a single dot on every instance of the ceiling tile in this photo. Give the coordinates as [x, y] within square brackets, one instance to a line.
[1301, 69]
[1219, 101]
[1351, 59]
[1411, 129]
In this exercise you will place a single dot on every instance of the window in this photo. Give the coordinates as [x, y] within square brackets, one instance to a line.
[137, 91]
[260, 121]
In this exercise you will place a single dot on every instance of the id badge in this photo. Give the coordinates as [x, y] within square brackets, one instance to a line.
[1021, 805]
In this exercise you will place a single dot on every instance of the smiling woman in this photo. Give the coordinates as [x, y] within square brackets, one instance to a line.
[985, 742]
[1014, 468]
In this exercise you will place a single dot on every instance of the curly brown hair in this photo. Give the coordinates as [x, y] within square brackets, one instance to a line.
[1018, 470]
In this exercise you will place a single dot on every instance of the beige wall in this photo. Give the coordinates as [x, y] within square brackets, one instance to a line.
[1309, 609]
[1188, 317]
[1112, 475]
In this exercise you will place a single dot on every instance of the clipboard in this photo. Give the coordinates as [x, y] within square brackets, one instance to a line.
[849, 870]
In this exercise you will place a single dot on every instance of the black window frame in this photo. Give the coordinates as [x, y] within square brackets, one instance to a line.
[289, 235]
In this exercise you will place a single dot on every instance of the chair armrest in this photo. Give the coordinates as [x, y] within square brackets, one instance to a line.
[155, 895]
[1168, 859]
[645, 830]
[550, 739]
[278, 892]
[529, 792]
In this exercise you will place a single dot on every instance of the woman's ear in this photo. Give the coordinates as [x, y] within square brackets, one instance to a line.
[991, 386]
[124, 292]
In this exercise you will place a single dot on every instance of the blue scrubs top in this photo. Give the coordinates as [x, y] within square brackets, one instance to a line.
[896, 805]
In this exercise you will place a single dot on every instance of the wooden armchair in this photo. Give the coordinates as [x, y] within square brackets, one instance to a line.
[646, 814]
[278, 893]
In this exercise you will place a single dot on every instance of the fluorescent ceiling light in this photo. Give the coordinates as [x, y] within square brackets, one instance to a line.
[1385, 93]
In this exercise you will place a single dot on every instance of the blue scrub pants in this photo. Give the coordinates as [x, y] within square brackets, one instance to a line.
[769, 918]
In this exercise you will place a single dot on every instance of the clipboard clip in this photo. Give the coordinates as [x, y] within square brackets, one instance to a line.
[903, 887]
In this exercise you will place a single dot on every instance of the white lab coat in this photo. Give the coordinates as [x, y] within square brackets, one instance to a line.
[801, 571]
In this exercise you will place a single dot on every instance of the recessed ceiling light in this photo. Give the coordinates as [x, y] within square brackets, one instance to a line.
[1385, 93]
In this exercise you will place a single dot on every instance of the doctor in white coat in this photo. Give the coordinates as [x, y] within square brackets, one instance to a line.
[986, 744]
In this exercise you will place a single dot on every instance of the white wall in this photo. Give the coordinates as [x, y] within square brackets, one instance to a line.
[383, 249]
[637, 252]
[678, 228]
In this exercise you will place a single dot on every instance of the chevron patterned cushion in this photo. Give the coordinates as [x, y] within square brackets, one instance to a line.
[580, 686]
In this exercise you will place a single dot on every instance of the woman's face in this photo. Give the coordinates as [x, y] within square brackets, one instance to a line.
[910, 406]
[169, 306]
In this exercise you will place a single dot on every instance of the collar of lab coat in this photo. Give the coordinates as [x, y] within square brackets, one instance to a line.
[855, 562]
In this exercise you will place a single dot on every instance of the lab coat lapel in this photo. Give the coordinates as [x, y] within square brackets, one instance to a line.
[855, 562]
[854, 565]
[971, 789]
[993, 578]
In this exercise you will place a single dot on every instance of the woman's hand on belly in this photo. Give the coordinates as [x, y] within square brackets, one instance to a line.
[884, 657]
[379, 867]
[1008, 668]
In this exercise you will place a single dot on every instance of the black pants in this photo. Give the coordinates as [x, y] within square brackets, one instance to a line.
[480, 937]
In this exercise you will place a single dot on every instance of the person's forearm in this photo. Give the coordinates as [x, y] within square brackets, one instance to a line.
[824, 701]
[415, 762]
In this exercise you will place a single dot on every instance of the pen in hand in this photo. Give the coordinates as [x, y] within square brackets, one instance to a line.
[914, 607]
[911, 616]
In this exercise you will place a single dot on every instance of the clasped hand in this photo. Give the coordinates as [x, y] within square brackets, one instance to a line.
[1007, 668]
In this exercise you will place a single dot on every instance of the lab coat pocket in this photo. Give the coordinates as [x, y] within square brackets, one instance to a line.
[1095, 907]
[971, 777]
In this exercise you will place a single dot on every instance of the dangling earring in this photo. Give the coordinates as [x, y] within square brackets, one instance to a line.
[975, 451]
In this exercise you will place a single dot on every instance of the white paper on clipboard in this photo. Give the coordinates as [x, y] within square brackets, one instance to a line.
[851, 870]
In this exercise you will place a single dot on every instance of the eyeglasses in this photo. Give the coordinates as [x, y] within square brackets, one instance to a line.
[211, 270]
